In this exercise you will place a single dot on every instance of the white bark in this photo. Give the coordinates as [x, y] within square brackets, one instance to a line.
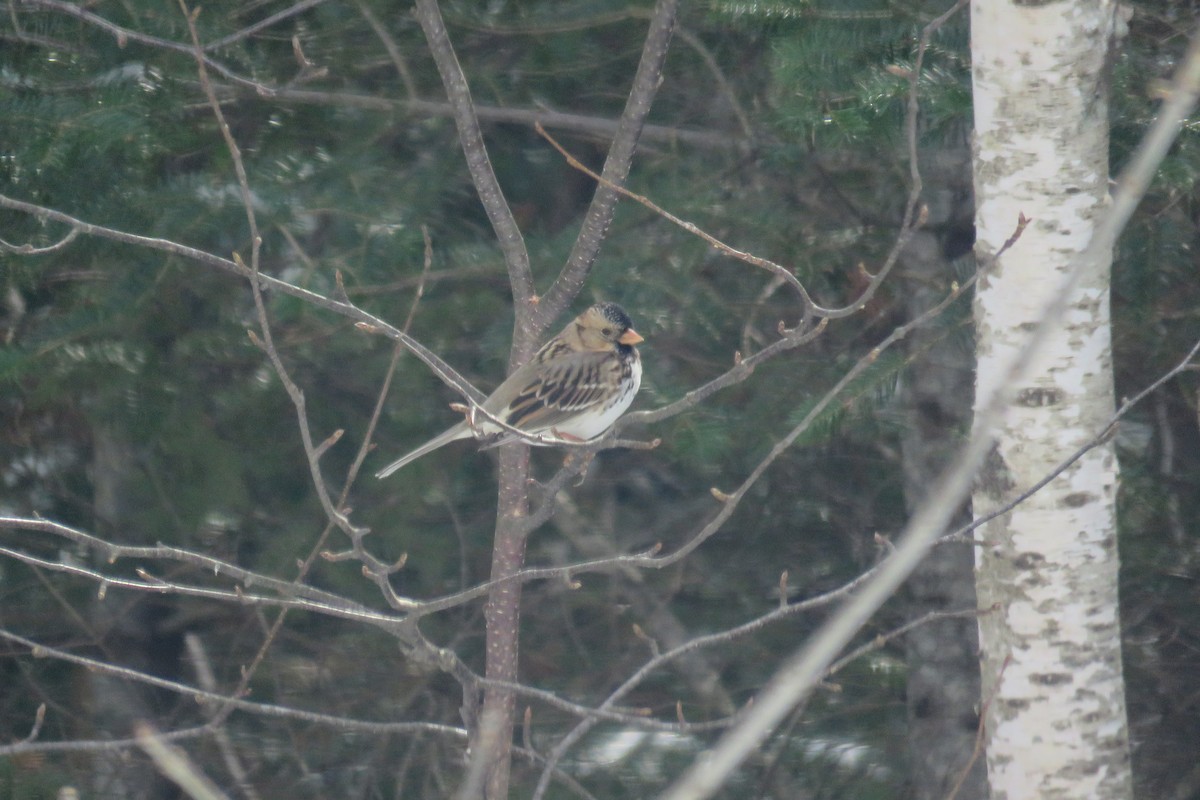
[1051, 659]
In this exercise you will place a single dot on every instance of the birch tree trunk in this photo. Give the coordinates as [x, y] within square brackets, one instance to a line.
[1050, 646]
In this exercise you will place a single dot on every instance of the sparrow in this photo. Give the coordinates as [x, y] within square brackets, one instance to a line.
[575, 387]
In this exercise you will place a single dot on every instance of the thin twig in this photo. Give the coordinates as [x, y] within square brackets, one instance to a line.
[332, 513]
[263, 24]
[262, 709]
[340, 609]
[109, 553]
[126, 35]
[175, 765]
[334, 516]
[202, 666]
[809, 307]
[633, 717]
[31, 250]
[98, 745]
[779, 271]
[393, 49]
[582, 124]
[726, 88]
[1103, 435]
[980, 732]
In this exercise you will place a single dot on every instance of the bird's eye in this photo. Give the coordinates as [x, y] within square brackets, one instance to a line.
[607, 331]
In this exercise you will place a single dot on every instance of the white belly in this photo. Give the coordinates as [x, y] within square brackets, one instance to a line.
[594, 424]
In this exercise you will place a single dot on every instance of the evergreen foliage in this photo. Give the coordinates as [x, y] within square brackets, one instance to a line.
[106, 342]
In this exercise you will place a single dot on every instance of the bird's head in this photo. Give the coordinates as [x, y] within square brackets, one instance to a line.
[604, 326]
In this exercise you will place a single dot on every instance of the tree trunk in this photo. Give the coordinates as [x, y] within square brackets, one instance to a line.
[503, 614]
[130, 634]
[1047, 571]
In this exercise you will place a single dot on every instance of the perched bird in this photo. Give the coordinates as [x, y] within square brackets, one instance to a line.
[575, 387]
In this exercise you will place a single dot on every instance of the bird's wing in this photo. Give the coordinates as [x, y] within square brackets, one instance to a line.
[555, 391]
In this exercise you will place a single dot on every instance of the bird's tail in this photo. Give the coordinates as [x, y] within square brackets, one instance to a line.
[459, 431]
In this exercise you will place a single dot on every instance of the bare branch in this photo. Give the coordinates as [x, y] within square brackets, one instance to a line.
[110, 553]
[810, 308]
[740, 371]
[98, 745]
[174, 764]
[30, 250]
[208, 682]
[393, 49]
[125, 35]
[155, 585]
[1102, 436]
[633, 717]
[583, 124]
[616, 167]
[727, 92]
[263, 24]
[260, 709]
[980, 733]
[368, 321]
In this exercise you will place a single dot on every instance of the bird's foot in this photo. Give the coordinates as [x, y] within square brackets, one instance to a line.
[567, 437]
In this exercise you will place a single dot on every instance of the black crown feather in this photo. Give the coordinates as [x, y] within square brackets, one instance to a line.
[616, 315]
